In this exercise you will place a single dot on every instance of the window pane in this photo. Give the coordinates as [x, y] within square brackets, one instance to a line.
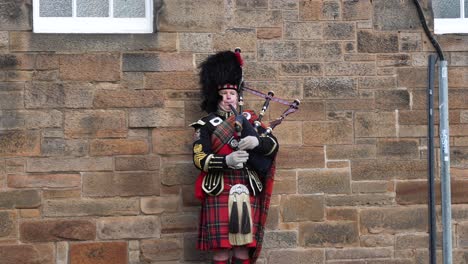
[55, 8]
[446, 8]
[129, 8]
[466, 8]
[92, 8]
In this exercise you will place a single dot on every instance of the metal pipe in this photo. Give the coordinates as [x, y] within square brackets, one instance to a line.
[430, 157]
[445, 162]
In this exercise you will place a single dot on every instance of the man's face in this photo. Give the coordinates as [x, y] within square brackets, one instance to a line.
[229, 97]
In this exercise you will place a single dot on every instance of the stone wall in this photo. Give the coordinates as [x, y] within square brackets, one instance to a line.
[95, 148]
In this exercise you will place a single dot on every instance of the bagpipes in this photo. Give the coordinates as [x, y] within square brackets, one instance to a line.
[244, 128]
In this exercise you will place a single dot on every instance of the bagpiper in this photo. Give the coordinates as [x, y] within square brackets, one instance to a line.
[236, 159]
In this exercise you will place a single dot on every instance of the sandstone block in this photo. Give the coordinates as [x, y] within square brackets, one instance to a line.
[329, 87]
[463, 231]
[348, 152]
[377, 240]
[134, 227]
[260, 71]
[61, 164]
[410, 42]
[158, 205]
[252, 4]
[302, 157]
[171, 81]
[64, 147]
[17, 62]
[327, 133]
[371, 187]
[339, 31]
[301, 69]
[330, 181]
[182, 16]
[280, 239]
[257, 18]
[357, 10]
[273, 219]
[290, 133]
[298, 256]
[136, 163]
[331, 10]
[412, 77]
[57, 230]
[166, 249]
[19, 143]
[288, 89]
[310, 10]
[58, 95]
[154, 117]
[415, 192]
[11, 100]
[172, 141]
[196, 42]
[30, 119]
[27, 254]
[105, 184]
[8, 226]
[388, 169]
[342, 214]
[50, 194]
[243, 37]
[388, 14]
[378, 83]
[398, 148]
[295, 208]
[368, 124]
[320, 51]
[23, 41]
[349, 68]
[328, 234]
[20, 199]
[412, 241]
[366, 199]
[99, 253]
[90, 67]
[369, 42]
[393, 220]
[15, 15]
[269, 33]
[278, 50]
[95, 123]
[358, 253]
[179, 223]
[178, 173]
[302, 30]
[91, 207]
[4, 40]
[108, 147]
[127, 98]
[459, 157]
[44, 180]
[391, 100]
[159, 62]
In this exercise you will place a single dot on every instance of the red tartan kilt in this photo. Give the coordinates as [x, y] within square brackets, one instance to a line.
[213, 231]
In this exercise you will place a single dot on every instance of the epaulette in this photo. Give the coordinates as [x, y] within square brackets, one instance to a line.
[202, 121]
[198, 123]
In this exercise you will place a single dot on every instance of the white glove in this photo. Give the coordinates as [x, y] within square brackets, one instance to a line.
[236, 159]
[249, 142]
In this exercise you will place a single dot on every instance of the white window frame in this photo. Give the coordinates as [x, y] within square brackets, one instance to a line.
[452, 25]
[110, 25]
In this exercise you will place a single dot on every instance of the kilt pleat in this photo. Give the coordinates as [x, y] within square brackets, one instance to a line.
[213, 232]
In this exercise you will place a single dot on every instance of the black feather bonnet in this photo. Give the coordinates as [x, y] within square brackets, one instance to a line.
[216, 71]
